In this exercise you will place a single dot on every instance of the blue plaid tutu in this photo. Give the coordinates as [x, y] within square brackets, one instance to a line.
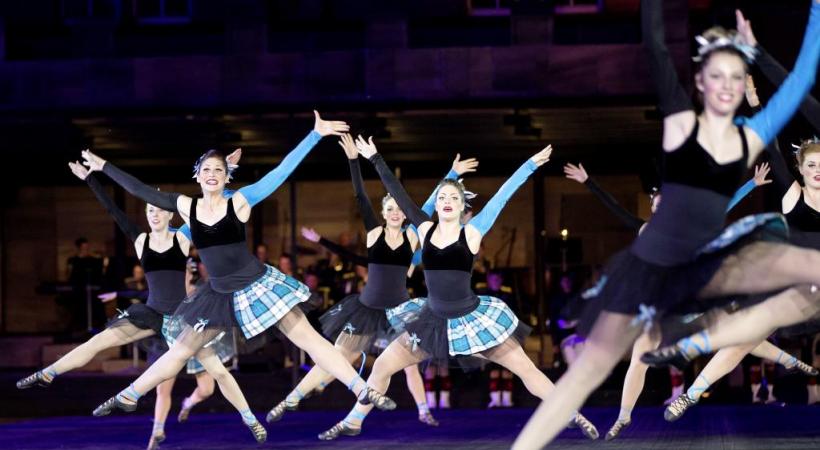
[223, 346]
[649, 291]
[254, 309]
[262, 304]
[489, 325]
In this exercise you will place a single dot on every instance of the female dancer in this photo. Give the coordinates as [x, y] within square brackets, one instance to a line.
[240, 290]
[359, 319]
[454, 323]
[804, 230]
[165, 273]
[670, 262]
[636, 373]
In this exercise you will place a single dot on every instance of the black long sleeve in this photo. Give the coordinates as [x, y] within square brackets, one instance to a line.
[128, 227]
[672, 98]
[343, 252]
[365, 207]
[150, 195]
[394, 187]
[783, 178]
[631, 221]
[776, 74]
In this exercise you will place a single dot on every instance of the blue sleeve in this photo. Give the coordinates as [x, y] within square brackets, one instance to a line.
[741, 193]
[486, 218]
[416, 257]
[184, 229]
[769, 121]
[258, 191]
[429, 205]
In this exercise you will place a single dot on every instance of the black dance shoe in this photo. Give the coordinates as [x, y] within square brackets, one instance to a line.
[587, 427]
[677, 408]
[340, 429]
[111, 404]
[275, 414]
[35, 379]
[259, 432]
[666, 356]
[616, 429]
[379, 400]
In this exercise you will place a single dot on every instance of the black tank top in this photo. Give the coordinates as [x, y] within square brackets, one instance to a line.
[224, 251]
[165, 273]
[804, 224]
[696, 191]
[387, 273]
[691, 165]
[448, 273]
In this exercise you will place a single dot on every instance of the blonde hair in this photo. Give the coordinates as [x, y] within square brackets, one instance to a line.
[807, 147]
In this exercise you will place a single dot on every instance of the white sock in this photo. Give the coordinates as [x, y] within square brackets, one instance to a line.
[506, 399]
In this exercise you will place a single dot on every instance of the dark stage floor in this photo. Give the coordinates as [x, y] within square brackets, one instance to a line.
[707, 428]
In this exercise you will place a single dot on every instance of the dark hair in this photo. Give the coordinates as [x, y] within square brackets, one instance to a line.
[286, 255]
[80, 241]
[213, 153]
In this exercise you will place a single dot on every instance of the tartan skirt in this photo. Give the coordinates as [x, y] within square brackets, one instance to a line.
[253, 309]
[490, 324]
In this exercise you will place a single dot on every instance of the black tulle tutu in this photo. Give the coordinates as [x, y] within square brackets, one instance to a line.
[633, 286]
[352, 317]
[139, 315]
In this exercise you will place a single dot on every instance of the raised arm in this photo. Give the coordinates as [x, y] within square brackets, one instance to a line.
[672, 98]
[311, 235]
[369, 217]
[393, 186]
[579, 174]
[767, 123]
[148, 194]
[260, 190]
[486, 218]
[128, 227]
[459, 168]
[775, 72]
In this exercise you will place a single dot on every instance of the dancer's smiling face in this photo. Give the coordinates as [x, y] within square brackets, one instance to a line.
[449, 202]
[158, 219]
[212, 174]
[392, 214]
[722, 82]
[809, 160]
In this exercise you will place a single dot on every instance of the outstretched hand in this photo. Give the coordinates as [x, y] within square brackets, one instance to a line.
[310, 234]
[543, 156]
[328, 127]
[577, 173]
[366, 148]
[751, 92]
[347, 144]
[744, 28]
[464, 166]
[234, 157]
[92, 161]
[761, 171]
[78, 169]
